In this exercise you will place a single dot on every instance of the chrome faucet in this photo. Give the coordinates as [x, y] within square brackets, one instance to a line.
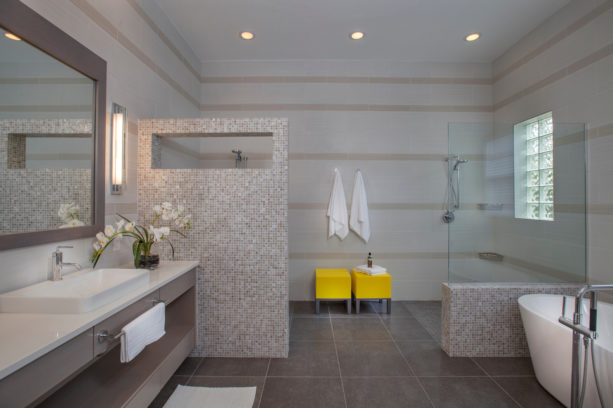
[589, 333]
[58, 263]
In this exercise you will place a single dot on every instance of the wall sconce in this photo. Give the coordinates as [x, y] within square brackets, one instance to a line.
[119, 123]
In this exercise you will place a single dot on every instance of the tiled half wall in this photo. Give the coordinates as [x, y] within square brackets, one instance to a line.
[31, 197]
[483, 319]
[239, 234]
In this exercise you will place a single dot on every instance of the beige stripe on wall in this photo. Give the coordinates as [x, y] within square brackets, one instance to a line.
[379, 156]
[380, 255]
[160, 33]
[577, 25]
[344, 107]
[46, 81]
[45, 108]
[558, 75]
[345, 80]
[107, 26]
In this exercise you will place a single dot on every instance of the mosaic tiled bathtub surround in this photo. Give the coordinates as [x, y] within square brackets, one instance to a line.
[30, 198]
[239, 234]
[483, 319]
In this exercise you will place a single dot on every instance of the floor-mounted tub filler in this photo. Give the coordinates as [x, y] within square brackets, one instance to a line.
[551, 348]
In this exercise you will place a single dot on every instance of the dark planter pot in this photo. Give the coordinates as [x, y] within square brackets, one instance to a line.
[149, 262]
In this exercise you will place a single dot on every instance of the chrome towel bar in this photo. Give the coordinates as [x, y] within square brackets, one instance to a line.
[104, 335]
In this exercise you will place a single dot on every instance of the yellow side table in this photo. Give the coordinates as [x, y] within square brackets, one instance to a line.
[366, 287]
[332, 284]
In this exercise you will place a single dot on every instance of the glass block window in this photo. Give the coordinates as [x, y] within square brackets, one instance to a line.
[533, 157]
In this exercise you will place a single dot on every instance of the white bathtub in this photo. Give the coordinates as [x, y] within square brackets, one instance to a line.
[550, 346]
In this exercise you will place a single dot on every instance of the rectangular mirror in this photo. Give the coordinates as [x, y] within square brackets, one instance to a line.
[52, 104]
[211, 151]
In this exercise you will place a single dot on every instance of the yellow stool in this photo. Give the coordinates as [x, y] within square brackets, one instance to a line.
[332, 284]
[366, 287]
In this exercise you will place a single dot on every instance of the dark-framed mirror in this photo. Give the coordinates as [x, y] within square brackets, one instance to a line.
[52, 132]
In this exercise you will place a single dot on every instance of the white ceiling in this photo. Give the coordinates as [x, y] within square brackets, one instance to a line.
[407, 30]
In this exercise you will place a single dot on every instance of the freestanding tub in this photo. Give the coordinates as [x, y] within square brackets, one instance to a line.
[550, 345]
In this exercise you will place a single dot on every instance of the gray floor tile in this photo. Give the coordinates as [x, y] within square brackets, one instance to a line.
[307, 359]
[427, 359]
[257, 382]
[188, 366]
[307, 309]
[359, 330]
[506, 366]
[168, 389]
[302, 393]
[398, 309]
[406, 329]
[528, 392]
[466, 392]
[371, 359]
[311, 330]
[339, 309]
[391, 392]
[221, 367]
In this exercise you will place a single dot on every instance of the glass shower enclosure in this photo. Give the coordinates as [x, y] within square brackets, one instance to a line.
[516, 202]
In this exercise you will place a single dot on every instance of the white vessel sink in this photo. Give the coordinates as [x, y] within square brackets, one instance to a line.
[78, 293]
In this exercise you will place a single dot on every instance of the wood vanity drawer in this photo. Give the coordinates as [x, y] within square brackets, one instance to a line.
[29, 383]
[115, 323]
[177, 287]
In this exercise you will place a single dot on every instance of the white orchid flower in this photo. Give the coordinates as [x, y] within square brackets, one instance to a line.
[167, 215]
[120, 225]
[129, 226]
[157, 209]
[180, 209]
[165, 231]
[97, 246]
[109, 230]
[76, 223]
[166, 205]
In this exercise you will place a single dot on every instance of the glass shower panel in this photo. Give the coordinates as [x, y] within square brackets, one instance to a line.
[487, 242]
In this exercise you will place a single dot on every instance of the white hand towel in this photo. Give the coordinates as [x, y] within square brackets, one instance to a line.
[145, 329]
[375, 270]
[359, 221]
[337, 209]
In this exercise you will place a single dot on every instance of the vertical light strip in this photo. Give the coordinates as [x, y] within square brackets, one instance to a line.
[118, 132]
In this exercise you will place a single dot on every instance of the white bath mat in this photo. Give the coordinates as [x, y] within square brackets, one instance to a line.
[205, 397]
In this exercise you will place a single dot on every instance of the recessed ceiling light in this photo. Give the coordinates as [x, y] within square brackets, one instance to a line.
[358, 35]
[472, 37]
[12, 36]
[246, 35]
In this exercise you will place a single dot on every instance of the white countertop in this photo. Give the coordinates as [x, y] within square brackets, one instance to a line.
[24, 337]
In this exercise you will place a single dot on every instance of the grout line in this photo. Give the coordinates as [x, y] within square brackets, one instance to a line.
[195, 369]
[404, 358]
[494, 381]
[264, 385]
[338, 361]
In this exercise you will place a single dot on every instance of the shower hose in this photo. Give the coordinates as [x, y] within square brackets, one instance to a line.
[589, 345]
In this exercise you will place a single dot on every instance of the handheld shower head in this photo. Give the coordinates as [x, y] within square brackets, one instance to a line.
[458, 162]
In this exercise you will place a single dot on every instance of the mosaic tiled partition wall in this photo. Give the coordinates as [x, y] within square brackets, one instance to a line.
[239, 234]
[30, 198]
[483, 319]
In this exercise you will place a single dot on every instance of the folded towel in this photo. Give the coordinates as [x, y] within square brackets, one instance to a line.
[359, 221]
[145, 329]
[375, 270]
[337, 209]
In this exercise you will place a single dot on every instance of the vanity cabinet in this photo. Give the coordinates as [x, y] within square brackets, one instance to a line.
[86, 371]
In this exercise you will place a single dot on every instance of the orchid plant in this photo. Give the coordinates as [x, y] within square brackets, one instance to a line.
[69, 214]
[144, 236]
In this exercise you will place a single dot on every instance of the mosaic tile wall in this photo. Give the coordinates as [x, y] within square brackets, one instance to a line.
[31, 198]
[240, 236]
[483, 319]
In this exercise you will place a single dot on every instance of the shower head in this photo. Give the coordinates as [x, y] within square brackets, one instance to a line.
[458, 162]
